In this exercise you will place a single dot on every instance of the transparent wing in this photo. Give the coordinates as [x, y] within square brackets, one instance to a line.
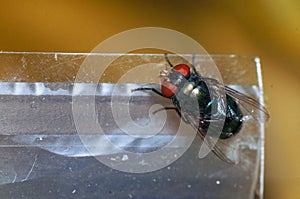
[247, 103]
[222, 150]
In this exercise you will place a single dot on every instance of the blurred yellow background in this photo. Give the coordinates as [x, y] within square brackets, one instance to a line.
[269, 29]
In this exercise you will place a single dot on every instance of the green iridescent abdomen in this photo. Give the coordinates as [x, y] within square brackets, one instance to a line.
[233, 118]
[191, 91]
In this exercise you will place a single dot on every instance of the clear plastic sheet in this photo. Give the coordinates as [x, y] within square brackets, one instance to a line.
[42, 153]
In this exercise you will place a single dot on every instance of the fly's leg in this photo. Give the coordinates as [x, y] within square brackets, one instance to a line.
[172, 108]
[167, 59]
[148, 89]
[165, 108]
[168, 108]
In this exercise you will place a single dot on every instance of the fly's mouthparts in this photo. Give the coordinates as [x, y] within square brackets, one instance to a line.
[164, 73]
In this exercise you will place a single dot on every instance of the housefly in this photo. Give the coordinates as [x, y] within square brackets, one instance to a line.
[183, 84]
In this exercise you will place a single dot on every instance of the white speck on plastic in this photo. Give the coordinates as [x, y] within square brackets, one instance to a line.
[169, 179]
[129, 195]
[74, 191]
[169, 168]
[218, 182]
[114, 159]
[154, 180]
[189, 186]
[242, 72]
[125, 157]
[142, 162]
[24, 62]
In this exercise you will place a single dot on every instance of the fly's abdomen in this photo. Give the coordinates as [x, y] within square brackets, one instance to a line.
[191, 92]
[233, 122]
[233, 118]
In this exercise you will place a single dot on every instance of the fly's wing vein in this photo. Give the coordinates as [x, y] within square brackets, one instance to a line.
[249, 104]
[214, 145]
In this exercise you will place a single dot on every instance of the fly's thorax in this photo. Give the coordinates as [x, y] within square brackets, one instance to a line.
[192, 98]
[195, 91]
[188, 87]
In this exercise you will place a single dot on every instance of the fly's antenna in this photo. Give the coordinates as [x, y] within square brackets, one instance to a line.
[167, 59]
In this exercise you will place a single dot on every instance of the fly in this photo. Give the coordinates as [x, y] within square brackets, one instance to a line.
[183, 84]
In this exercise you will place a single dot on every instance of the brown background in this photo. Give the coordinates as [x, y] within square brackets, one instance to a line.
[269, 29]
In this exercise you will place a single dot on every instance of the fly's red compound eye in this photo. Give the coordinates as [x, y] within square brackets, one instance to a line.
[183, 69]
[168, 89]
